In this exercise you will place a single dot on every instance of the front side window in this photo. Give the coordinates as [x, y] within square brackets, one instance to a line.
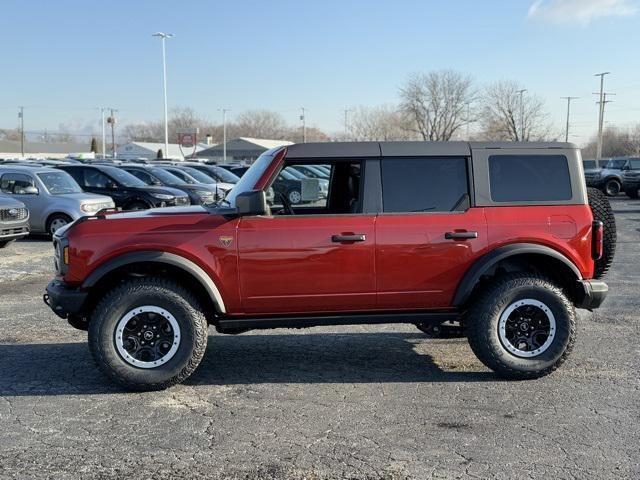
[144, 176]
[15, 183]
[59, 183]
[529, 178]
[424, 185]
[96, 179]
[634, 164]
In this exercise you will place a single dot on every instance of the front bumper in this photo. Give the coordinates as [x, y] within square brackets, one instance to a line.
[13, 232]
[594, 294]
[64, 301]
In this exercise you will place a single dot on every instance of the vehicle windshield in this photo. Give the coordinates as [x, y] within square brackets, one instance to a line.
[198, 175]
[616, 164]
[249, 179]
[635, 164]
[123, 178]
[167, 177]
[59, 183]
[225, 175]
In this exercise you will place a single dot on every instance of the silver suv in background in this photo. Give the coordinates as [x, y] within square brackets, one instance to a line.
[14, 220]
[52, 196]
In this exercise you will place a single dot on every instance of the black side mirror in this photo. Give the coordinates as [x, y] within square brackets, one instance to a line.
[253, 202]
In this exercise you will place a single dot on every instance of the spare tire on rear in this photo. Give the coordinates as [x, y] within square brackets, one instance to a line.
[601, 209]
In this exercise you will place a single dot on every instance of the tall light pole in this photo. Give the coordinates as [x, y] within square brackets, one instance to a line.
[468, 119]
[600, 115]
[521, 93]
[224, 134]
[566, 132]
[303, 117]
[163, 36]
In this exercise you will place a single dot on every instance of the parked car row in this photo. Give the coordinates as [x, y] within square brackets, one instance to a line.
[616, 175]
[53, 193]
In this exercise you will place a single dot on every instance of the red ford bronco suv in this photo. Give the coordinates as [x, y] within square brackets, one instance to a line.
[503, 238]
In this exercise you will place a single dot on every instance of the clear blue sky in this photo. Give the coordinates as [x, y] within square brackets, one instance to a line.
[65, 57]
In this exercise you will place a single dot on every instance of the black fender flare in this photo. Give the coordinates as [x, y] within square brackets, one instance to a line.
[487, 261]
[159, 257]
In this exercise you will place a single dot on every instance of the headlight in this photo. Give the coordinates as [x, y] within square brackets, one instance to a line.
[162, 196]
[90, 207]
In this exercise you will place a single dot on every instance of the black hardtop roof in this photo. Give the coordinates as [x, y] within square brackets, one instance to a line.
[408, 149]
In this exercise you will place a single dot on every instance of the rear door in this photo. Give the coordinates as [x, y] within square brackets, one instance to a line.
[428, 234]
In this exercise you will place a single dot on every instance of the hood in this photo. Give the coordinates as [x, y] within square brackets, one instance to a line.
[8, 202]
[592, 170]
[171, 211]
[87, 197]
[162, 190]
[196, 188]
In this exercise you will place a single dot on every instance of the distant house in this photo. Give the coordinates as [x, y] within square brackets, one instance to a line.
[242, 149]
[12, 149]
[149, 150]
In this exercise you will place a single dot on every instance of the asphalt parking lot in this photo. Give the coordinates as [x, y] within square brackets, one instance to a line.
[337, 402]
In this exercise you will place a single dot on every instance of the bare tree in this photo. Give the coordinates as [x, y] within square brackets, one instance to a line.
[260, 124]
[504, 118]
[436, 103]
[615, 143]
[383, 123]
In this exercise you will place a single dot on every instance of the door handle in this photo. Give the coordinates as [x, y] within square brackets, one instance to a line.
[460, 235]
[357, 237]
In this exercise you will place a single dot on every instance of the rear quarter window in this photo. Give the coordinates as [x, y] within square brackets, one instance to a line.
[529, 178]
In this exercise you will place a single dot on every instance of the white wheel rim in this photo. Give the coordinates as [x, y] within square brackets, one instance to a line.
[295, 197]
[505, 331]
[57, 223]
[120, 336]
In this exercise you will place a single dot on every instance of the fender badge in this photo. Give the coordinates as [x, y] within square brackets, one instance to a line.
[225, 240]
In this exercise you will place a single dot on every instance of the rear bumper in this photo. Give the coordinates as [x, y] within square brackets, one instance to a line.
[64, 301]
[595, 292]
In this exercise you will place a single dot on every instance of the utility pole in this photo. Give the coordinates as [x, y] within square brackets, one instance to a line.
[521, 93]
[566, 132]
[104, 135]
[163, 36]
[224, 134]
[304, 126]
[112, 121]
[468, 119]
[600, 115]
[21, 117]
[346, 123]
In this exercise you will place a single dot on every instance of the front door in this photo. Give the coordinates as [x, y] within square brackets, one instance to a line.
[427, 236]
[317, 255]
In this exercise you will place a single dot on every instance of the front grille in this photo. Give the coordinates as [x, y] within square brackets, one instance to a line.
[13, 214]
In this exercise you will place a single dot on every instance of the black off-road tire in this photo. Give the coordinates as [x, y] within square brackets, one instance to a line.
[162, 293]
[612, 187]
[633, 193]
[483, 322]
[601, 209]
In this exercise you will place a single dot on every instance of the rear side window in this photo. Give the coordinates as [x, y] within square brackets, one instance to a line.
[425, 184]
[527, 178]
[15, 183]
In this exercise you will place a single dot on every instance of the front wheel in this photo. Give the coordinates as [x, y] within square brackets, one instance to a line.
[522, 326]
[612, 188]
[56, 222]
[295, 197]
[4, 243]
[148, 334]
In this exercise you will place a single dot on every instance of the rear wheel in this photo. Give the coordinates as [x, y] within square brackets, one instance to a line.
[522, 326]
[612, 187]
[601, 210]
[148, 334]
